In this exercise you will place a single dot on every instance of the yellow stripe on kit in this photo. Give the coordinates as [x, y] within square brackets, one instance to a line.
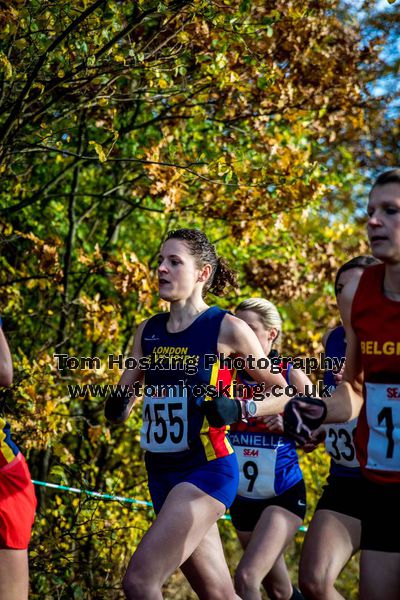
[5, 448]
[226, 440]
[213, 378]
[204, 433]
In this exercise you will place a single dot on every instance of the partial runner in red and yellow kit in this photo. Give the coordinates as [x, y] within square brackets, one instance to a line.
[17, 501]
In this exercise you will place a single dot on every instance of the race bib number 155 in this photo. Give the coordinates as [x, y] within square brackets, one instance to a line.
[165, 422]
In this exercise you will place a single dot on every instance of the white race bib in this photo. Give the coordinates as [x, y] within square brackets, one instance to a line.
[339, 443]
[165, 422]
[256, 467]
[383, 417]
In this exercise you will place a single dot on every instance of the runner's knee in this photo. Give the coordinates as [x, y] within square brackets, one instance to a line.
[315, 586]
[246, 579]
[138, 587]
[224, 592]
[279, 590]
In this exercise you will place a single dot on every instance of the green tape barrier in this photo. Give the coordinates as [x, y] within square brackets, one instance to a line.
[103, 496]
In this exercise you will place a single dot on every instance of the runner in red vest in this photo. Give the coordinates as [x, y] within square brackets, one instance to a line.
[17, 501]
[334, 533]
[371, 389]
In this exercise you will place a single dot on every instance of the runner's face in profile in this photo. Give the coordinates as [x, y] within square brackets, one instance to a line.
[177, 271]
[347, 282]
[384, 222]
[253, 320]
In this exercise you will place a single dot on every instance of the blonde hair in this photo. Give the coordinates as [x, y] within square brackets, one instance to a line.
[268, 314]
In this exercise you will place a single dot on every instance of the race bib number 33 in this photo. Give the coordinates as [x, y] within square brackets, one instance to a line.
[339, 443]
[383, 416]
[165, 422]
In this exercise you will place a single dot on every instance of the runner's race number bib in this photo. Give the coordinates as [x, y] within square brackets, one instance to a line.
[339, 443]
[257, 472]
[383, 417]
[165, 422]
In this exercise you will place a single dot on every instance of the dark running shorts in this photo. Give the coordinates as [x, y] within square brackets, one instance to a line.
[245, 512]
[343, 495]
[380, 520]
[218, 478]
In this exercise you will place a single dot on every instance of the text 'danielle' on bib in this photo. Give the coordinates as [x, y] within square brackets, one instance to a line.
[257, 465]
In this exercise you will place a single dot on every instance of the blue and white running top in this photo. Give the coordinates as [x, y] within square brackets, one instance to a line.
[268, 462]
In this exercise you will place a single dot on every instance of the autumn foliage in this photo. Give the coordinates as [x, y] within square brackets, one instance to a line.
[118, 122]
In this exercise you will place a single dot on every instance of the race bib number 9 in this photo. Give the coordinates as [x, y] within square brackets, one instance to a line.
[383, 417]
[256, 472]
[165, 422]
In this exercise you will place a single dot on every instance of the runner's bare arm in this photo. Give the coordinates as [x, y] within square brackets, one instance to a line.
[346, 401]
[237, 338]
[6, 368]
[303, 385]
[119, 404]
[300, 380]
[130, 376]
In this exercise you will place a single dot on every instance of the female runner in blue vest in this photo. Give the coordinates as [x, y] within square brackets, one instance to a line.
[192, 469]
[271, 501]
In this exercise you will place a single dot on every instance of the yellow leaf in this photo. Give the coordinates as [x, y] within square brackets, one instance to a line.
[21, 44]
[183, 37]
[5, 66]
[99, 151]
[50, 405]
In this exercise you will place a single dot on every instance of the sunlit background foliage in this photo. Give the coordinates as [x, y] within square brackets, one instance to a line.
[260, 122]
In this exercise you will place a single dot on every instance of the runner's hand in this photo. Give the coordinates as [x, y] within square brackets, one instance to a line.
[302, 416]
[118, 406]
[274, 423]
[222, 411]
[317, 438]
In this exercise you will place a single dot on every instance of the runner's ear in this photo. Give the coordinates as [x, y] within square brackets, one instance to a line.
[205, 273]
